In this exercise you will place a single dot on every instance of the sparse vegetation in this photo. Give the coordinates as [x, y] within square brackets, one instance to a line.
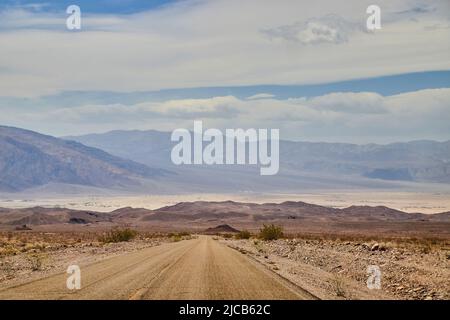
[36, 261]
[176, 238]
[337, 284]
[244, 234]
[178, 234]
[271, 232]
[427, 248]
[7, 268]
[259, 246]
[292, 247]
[118, 235]
[427, 244]
[25, 253]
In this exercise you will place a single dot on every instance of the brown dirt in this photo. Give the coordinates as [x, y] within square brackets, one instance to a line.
[200, 268]
[334, 269]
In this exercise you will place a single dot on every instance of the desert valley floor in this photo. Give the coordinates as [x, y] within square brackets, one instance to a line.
[197, 246]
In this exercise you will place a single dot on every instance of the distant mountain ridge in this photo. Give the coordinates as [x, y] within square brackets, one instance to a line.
[290, 210]
[215, 211]
[420, 161]
[139, 161]
[29, 159]
[49, 216]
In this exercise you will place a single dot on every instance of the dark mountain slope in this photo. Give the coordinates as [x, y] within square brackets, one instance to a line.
[29, 159]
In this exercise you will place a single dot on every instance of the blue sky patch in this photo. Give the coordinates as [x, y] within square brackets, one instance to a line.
[88, 6]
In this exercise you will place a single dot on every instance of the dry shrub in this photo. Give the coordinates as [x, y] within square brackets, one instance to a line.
[259, 246]
[179, 236]
[426, 248]
[7, 267]
[36, 261]
[425, 244]
[244, 234]
[337, 284]
[176, 238]
[118, 235]
[271, 232]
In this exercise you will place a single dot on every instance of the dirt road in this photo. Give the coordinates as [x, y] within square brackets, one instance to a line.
[199, 268]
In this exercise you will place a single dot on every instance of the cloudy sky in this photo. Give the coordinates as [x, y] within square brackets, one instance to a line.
[309, 68]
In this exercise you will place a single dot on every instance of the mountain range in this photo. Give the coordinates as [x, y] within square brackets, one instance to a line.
[420, 161]
[200, 215]
[139, 161]
[29, 159]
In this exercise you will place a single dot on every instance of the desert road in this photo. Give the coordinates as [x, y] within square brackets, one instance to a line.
[200, 268]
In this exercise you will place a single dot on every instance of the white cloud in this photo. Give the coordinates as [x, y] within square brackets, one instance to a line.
[349, 102]
[217, 43]
[343, 117]
[261, 96]
[330, 28]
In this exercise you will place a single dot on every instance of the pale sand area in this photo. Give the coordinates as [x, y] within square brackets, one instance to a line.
[425, 202]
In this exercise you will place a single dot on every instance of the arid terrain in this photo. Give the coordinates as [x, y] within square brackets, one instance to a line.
[197, 268]
[201, 250]
[294, 216]
[224, 150]
[337, 268]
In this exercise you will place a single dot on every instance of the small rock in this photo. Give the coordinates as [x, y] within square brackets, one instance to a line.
[374, 247]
